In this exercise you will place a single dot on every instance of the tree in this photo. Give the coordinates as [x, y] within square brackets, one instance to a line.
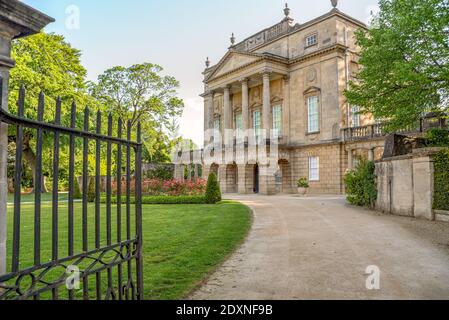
[405, 62]
[141, 94]
[213, 192]
[47, 63]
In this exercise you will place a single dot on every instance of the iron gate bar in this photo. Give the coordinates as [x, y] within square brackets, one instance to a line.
[71, 189]
[55, 189]
[119, 198]
[85, 193]
[102, 258]
[17, 181]
[97, 200]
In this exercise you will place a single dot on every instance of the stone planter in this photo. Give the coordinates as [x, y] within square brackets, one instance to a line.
[302, 191]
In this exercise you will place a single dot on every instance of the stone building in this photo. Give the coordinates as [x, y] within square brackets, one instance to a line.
[289, 79]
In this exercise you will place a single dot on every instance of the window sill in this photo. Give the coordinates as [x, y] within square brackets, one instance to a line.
[311, 46]
[312, 133]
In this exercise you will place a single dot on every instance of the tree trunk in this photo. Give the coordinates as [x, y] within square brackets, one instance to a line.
[30, 158]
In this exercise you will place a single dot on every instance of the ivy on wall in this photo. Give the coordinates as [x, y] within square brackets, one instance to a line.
[441, 194]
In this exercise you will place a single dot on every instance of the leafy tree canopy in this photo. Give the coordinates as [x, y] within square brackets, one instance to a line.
[405, 62]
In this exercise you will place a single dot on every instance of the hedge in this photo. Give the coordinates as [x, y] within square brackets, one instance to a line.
[441, 195]
[162, 200]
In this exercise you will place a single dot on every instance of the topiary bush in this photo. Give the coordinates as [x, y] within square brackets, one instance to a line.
[441, 193]
[91, 190]
[213, 192]
[361, 188]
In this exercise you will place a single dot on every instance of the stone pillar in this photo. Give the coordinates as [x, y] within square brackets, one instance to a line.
[4, 73]
[371, 155]
[423, 187]
[267, 181]
[286, 111]
[16, 20]
[350, 159]
[227, 107]
[241, 183]
[266, 103]
[210, 111]
[245, 106]
[222, 178]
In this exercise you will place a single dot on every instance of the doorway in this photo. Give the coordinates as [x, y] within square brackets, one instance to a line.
[256, 178]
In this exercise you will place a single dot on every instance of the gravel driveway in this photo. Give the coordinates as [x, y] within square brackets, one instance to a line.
[320, 248]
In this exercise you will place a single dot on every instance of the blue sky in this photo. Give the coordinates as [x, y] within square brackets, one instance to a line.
[177, 34]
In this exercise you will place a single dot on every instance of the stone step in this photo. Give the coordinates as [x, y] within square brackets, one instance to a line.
[442, 215]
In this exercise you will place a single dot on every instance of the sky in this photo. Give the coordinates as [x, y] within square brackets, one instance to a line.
[176, 34]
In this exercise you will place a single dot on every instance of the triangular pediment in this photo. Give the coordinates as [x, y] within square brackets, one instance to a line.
[232, 61]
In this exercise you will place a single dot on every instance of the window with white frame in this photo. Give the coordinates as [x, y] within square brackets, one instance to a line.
[277, 121]
[256, 123]
[313, 114]
[238, 127]
[311, 40]
[355, 116]
[314, 169]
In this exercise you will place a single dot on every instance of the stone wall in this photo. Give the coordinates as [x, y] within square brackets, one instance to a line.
[333, 164]
[405, 184]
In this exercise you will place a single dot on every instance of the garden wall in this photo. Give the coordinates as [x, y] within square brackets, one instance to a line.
[406, 185]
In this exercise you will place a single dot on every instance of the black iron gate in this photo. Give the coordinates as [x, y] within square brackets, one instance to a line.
[92, 250]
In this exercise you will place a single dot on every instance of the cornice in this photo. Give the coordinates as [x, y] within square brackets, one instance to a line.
[284, 62]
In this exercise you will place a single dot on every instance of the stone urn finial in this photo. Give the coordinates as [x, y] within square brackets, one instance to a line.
[334, 3]
[232, 39]
[207, 62]
[287, 10]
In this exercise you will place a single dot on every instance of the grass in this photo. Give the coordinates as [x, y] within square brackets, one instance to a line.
[182, 244]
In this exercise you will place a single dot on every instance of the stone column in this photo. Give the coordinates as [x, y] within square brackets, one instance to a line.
[267, 181]
[210, 110]
[266, 103]
[286, 111]
[227, 107]
[4, 74]
[16, 20]
[241, 183]
[245, 106]
[222, 178]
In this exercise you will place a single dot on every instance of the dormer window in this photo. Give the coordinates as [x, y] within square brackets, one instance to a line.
[311, 40]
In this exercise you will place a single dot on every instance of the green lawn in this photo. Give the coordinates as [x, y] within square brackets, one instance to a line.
[182, 243]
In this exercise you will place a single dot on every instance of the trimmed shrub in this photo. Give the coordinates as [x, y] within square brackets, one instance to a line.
[361, 186]
[437, 138]
[162, 200]
[213, 192]
[91, 190]
[441, 195]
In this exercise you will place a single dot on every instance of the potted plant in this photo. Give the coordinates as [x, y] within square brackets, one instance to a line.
[303, 185]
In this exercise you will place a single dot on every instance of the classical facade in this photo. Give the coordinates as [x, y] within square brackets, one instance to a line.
[289, 80]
